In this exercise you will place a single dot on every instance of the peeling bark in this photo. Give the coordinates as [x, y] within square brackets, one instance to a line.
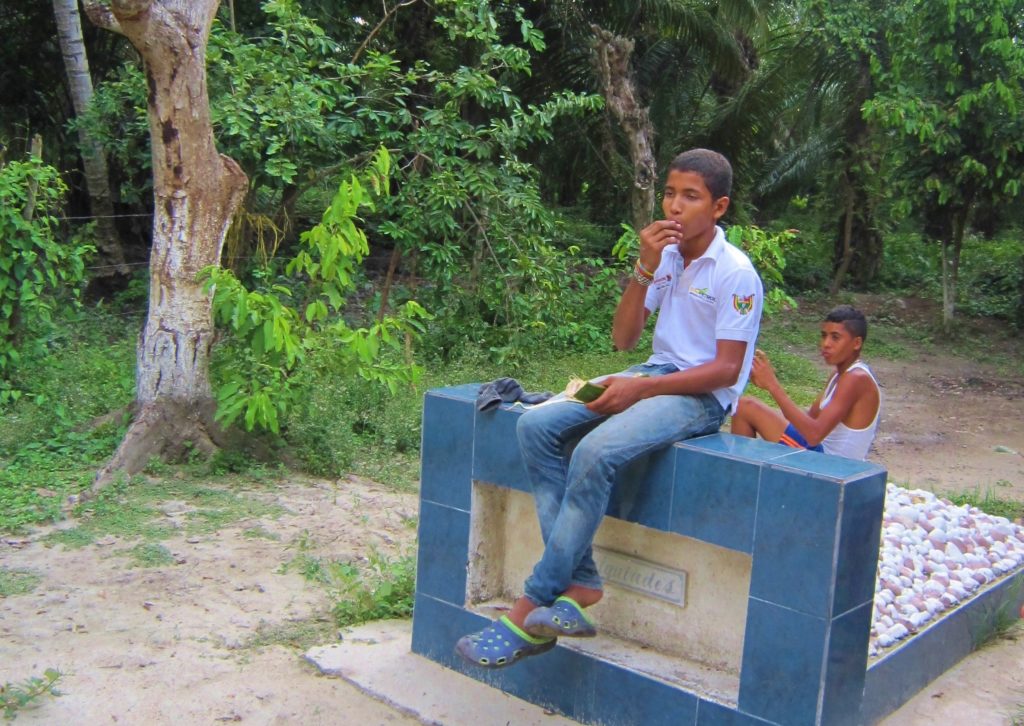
[196, 193]
[613, 56]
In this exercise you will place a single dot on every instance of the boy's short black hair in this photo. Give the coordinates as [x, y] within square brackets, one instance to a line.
[714, 168]
[851, 318]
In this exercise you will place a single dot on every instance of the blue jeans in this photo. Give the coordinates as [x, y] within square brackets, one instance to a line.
[571, 486]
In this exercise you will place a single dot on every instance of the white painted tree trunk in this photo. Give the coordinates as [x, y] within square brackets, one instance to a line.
[196, 193]
[94, 159]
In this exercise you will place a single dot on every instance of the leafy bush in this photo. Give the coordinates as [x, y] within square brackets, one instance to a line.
[767, 250]
[34, 265]
[271, 336]
[990, 278]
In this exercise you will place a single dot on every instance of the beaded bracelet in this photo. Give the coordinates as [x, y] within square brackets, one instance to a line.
[649, 274]
[641, 276]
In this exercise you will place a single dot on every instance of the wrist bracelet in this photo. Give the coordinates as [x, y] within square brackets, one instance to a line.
[641, 279]
[644, 271]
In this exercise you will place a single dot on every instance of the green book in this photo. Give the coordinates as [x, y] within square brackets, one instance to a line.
[583, 391]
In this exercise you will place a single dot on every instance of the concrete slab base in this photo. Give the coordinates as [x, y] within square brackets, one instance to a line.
[376, 658]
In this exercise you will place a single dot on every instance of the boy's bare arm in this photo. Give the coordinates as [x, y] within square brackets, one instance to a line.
[630, 315]
[817, 423]
[622, 391]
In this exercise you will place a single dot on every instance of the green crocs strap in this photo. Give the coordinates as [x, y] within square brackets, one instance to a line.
[522, 633]
[576, 605]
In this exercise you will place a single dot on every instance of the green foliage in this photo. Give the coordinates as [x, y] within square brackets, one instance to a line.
[33, 263]
[384, 591]
[76, 380]
[990, 278]
[379, 588]
[768, 253]
[990, 503]
[282, 100]
[272, 337]
[942, 90]
[15, 697]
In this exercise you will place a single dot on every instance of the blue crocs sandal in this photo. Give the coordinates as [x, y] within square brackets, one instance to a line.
[564, 617]
[501, 644]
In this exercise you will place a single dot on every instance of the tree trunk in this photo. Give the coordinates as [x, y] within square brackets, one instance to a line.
[196, 193]
[613, 55]
[94, 159]
[951, 267]
[846, 238]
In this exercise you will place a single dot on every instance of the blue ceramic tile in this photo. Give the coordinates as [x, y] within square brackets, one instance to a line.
[894, 679]
[643, 491]
[862, 506]
[624, 697]
[715, 498]
[496, 457]
[461, 392]
[710, 713]
[846, 666]
[437, 626]
[831, 467]
[795, 541]
[781, 673]
[738, 447]
[446, 453]
[577, 685]
[443, 552]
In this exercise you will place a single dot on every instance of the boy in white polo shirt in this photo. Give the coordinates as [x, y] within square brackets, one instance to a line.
[709, 299]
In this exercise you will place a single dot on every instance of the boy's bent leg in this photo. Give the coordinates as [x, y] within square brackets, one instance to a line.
[648, 425]
[546, 434]
[754, 417]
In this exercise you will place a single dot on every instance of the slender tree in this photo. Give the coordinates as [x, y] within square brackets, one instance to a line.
[196, 193]
[94, 158]
[950, 92]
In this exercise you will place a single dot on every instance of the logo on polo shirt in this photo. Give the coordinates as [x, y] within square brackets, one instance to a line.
[701, 293]
[743, 304]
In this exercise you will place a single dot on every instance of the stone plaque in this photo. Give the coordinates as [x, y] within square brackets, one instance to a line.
[646, 578]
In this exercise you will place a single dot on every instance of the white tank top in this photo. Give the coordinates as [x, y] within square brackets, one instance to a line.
[844, 441]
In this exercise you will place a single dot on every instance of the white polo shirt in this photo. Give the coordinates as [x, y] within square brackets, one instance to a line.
[718, 297]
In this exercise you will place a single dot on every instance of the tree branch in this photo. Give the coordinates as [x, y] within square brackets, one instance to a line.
[387, 16]
[100, 14]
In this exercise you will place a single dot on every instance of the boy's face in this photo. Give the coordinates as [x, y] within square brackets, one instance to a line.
[838, 345]
[687, 200]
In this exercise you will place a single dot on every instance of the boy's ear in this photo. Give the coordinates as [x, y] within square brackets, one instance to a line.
[719, 207]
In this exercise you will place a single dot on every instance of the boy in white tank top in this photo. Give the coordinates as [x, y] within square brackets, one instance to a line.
[843, 420]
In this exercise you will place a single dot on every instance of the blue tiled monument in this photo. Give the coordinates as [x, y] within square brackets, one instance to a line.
[740, 578]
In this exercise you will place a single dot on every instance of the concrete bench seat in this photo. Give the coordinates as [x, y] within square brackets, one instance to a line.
[740, 578]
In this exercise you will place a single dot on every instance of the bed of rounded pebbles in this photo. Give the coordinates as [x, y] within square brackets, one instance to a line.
[934, 555]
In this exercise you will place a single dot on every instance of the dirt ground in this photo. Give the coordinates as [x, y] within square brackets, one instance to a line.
[204, 640]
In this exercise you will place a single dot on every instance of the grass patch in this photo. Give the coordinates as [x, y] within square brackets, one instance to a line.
[130, 510]
[17, 581]
[297, 634]
[50, 446]
[150, 554]
[258, 532]
[381, 588]
[990, 503]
